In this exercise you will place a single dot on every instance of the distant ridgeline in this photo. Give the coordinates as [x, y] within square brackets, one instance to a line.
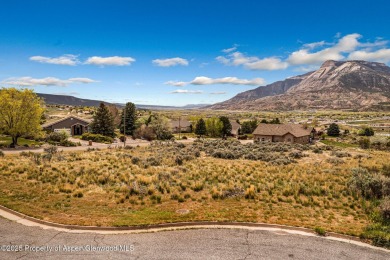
[341, 85]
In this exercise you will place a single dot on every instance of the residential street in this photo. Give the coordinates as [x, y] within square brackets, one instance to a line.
[180, 244]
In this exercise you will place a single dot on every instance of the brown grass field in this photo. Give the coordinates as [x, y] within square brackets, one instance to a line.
[149, 185]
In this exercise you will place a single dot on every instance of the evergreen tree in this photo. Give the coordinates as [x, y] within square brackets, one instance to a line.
[131, 118]
[200, 128]
[226, 126]
[333, 130]
[103, 122]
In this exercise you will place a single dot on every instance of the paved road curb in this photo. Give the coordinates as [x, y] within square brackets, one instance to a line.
[30, 221]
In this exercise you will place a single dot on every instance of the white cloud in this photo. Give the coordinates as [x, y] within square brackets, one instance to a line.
[311, 55]
[48, 81]
[267, 64]
[223, 60]
[227, 80]
[110, 61]
[382, 55]
[345, 44]
[82, 80]
[186, 91]
[253, 63]
[170, 62]
[176, 83]
[218, 93]
[210, 81]
[314, 45]
[229, 49]
[67, 59]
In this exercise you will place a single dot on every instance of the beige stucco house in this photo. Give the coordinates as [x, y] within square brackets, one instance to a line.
[292, 133]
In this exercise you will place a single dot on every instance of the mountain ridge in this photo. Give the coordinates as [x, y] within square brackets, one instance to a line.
[54, 99]
[345, 85]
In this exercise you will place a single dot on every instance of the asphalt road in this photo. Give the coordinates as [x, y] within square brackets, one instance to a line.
[181, 244]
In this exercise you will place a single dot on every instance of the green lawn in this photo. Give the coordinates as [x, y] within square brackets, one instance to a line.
[7, 140]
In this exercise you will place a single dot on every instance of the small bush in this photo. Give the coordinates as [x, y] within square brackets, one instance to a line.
[1, 154]
[368, 184]
[97, 138]
[135, 160]
[51, 150]
[384, 208]
[364, 143]
[320, 231]
[57, 137]
[78, 194]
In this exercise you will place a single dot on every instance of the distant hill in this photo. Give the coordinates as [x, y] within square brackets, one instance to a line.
[345, 85]
[74, 101]
[69, 100]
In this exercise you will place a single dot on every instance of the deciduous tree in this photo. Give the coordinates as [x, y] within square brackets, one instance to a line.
[214, 127]
[20, 113]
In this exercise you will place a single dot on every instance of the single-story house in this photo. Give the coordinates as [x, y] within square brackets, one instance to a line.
[292, 133]
[71, 125]
[236, 127]
[182, 126]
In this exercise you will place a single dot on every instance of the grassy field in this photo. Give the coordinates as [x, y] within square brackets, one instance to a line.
[7, 140]
[335, 143]
[146, 185]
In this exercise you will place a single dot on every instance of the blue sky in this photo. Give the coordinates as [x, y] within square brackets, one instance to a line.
[180, 52]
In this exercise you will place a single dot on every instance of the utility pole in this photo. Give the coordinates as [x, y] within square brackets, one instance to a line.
[124, 127]
[179, 127]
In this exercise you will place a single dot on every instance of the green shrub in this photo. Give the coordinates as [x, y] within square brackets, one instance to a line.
[179, 160]
[68, 143]
[384, 208]
[366, 131]
[57, 136]
[364, 143]
[320, 231]
[97, 138]
[1, 154]
[367, 183]
[135, 160]
[333, 130]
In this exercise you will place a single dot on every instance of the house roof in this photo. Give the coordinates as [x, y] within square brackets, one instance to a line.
[63, 119]
[282, 129]
[183, 123]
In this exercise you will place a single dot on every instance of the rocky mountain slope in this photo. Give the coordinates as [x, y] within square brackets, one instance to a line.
[349, 85]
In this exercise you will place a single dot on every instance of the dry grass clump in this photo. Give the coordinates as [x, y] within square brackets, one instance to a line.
[276, 153]
[148, 185]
